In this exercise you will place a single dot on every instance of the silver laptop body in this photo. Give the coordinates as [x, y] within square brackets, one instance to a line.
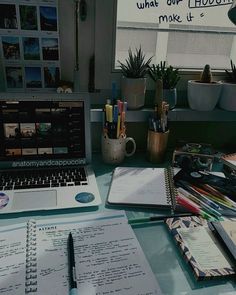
[45, 152]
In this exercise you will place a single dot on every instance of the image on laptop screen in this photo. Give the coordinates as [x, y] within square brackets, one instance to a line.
[42, 130]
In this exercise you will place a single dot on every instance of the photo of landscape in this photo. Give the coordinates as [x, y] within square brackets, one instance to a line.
[48, 18]
[33, 77]
[31, 48]
[50, 49]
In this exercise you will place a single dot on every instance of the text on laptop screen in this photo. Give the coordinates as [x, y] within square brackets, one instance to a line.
[42, 130]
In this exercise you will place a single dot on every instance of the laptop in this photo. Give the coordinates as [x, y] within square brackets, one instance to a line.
[45, 152]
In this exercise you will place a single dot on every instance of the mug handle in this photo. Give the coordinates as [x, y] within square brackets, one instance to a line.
[134, 146]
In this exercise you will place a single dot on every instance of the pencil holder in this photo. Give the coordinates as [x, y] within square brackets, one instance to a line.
[114, 150]
[156, 146]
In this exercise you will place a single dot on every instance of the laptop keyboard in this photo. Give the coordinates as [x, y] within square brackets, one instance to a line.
[16, 180]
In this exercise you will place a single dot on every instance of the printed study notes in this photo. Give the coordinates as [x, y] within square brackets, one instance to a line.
[108, 257]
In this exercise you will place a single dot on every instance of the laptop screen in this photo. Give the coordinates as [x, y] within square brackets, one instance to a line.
[42, 130]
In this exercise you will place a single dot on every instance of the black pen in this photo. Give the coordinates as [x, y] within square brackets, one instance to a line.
[71, 262]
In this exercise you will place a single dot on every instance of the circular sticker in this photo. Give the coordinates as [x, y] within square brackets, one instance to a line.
[84, 197]
[195, 174]
[4, 199]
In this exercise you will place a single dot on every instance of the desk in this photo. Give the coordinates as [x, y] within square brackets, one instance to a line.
[168, 265]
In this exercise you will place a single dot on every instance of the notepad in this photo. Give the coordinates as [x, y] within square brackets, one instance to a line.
[201, 249]
[229, 160]
[108, 257]
[148, 187]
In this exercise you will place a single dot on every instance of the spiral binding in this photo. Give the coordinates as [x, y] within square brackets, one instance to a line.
[31, 260]
[171, 190]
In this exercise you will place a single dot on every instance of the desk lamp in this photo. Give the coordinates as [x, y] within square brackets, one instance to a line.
[232, 12]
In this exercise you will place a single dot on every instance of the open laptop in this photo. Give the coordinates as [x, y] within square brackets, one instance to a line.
[45, 151]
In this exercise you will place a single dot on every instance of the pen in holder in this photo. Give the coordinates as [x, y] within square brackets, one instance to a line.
[158, 134]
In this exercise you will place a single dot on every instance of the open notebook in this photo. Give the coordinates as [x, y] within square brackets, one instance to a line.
[108, 257]
[149, 187]
[45, 152]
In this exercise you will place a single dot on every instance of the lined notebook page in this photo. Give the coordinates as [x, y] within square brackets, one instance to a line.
[13, 259]
[144, 186]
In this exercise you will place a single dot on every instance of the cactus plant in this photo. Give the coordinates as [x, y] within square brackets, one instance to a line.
[167, 74]
[206, 75]
[231, 75]
[135, 65]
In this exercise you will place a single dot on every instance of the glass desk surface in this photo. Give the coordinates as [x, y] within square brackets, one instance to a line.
[171, 270]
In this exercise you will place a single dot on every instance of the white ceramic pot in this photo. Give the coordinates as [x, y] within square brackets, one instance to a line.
[203, 96]
[228, 96]
[133, 91]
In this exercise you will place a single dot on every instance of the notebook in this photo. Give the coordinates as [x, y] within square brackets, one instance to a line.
[45, 152]
[149, 187]
[108, 257]
[229, 160]
[200, 248]
[226, 232]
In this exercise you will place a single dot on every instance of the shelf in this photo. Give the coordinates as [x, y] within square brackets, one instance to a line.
[177, 114]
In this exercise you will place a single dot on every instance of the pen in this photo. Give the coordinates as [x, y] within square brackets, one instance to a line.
[71, 262]
[156, 218]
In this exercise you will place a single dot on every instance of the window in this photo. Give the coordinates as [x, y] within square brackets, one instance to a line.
[186, 33]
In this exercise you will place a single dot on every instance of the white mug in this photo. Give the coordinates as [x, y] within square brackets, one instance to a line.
[114, 150]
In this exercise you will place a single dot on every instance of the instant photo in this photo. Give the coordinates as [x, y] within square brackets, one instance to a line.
[50, 49]
[33, 77]
[14, 77]
[8, 18]
[28, 17]
[51, 77]
[31, 48]
[11, 47]
[48, 18]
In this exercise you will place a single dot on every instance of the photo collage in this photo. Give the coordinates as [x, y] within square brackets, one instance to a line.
[29, 44]
[39, 130]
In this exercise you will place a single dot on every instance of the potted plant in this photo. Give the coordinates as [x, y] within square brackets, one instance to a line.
[170, 78]
[133, 83]
[228, 93]
[203, 94]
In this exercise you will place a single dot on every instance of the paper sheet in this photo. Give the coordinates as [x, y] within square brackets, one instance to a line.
[12, 259]
[204, 247]
[109, 259]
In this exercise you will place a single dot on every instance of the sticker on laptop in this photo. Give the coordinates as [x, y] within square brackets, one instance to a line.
[84, 197]
[4, 199]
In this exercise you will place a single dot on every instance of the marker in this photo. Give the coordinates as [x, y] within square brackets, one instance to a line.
[71, 263]
[156, 218]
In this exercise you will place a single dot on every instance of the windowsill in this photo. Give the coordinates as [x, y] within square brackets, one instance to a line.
[177, 114]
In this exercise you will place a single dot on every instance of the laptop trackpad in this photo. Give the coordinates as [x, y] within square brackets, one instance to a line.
[35, 200]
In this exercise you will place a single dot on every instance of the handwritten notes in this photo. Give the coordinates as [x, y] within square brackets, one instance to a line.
[12, 259]
[165, 12]
[109, 259]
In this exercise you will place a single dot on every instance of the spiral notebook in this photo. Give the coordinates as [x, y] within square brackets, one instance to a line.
[148, 187]
[34, 259]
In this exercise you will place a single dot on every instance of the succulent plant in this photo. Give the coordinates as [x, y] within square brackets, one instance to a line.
[135, 66]
[206, 75]
[231, 75]
[169, 76]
